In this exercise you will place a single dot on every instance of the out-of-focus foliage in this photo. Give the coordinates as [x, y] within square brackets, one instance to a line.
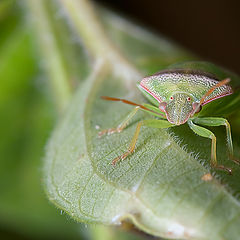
[27, 117]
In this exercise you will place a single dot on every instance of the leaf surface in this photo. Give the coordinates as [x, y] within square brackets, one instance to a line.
[160, 187]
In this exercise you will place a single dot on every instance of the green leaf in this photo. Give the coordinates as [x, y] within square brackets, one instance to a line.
[160, 187]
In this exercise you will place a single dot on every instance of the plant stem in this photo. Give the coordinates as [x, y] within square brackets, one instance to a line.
[51, 54]
[89, 29]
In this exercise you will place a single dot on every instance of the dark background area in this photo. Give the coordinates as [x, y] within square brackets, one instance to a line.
[210, 29]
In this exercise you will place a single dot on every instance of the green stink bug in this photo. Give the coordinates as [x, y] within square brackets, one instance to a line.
[196, 93]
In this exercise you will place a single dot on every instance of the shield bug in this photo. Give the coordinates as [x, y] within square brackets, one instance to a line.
[196, 93]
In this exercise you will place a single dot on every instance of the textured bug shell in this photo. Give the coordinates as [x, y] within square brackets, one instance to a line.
[175, 87]
[195, 83]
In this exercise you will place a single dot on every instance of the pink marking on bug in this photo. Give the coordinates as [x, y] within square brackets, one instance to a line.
[212, 99]
[151, 93]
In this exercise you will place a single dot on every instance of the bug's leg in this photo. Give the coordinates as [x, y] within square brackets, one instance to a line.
[122, 125]
[155, 123]
[203, 132]
[154, 109]
[215, 122]
[150, 109]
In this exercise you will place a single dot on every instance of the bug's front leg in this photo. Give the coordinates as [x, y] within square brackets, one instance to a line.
[155, 123]
[122, 125]
[145, 107]
[203, 132]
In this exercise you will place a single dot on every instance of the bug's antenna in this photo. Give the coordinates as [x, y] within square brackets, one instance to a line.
[219, 84]
[130, 103]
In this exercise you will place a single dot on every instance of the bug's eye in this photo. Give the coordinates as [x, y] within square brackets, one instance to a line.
[171, 98]
[189, 99]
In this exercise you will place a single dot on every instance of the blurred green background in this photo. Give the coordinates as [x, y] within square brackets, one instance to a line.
[27, 117]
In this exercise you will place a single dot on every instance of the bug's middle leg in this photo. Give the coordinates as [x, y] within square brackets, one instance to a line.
[203, 132]
[155, 123]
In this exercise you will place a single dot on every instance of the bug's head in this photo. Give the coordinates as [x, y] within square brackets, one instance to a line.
[178, 108]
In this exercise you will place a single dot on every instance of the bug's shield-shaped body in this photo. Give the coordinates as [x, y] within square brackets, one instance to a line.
[177, 92]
